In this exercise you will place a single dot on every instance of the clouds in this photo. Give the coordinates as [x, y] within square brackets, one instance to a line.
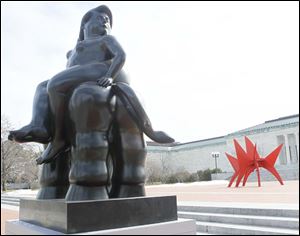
[203, 69]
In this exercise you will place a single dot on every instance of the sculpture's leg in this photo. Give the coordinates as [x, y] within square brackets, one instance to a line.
[58, 89]
[248, 172]
[38, 130]
[269, 163]
[241, 174]
[129, 156]
[234, 162]
[91, 115]
[258, 176]
[275, 173]
[54, 178]
[232, 179]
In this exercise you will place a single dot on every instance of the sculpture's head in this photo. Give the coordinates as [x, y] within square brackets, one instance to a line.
[96, 22]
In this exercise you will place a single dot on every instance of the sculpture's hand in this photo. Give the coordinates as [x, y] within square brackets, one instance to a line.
[104, 82]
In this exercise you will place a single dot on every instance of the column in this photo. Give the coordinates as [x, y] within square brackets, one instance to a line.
[287, 149]
[297, 145]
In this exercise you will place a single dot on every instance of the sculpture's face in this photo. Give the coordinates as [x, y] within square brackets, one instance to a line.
[97, 24]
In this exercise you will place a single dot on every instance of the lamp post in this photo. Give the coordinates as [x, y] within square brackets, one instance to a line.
[215, 155]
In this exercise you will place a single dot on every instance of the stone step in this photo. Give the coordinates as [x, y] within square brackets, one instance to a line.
[9, 196]
[10, 203]
[268, 221]
[18, 197]
[10, 199]
[280, 212]
[202, 233]
[233, 229]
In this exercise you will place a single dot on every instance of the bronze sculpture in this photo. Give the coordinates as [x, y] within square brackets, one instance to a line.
[89, 116]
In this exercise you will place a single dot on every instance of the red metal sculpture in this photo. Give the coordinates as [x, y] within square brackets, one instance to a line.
[249, 160]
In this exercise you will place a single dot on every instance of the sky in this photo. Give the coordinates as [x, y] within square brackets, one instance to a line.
[201, 69]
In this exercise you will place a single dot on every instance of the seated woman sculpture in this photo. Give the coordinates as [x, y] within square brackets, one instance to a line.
[97, 60]
[97, 57]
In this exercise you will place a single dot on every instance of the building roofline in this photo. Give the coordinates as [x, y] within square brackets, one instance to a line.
[176, 144]
[201, 140]
[283, 118]
[179, 144]
[269, 122]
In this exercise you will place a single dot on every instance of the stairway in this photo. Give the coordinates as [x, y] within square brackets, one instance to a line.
[241, 220]
[12, 200]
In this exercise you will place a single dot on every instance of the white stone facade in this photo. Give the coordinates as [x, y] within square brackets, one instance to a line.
[194, 156]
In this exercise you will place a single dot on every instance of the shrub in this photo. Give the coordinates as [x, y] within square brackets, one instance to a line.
[171, 179]
[181, 176]
[206, 174]
[178, 177]
[192, 178]
[154, 178]
[216, 170]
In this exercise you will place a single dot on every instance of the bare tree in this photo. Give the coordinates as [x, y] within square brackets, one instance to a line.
[9, 161]
[153, 172]
[165, 166]
[30, 169]
[9, 151]
[17, 161]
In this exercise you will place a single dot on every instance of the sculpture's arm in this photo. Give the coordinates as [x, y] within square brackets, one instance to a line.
[68, 55]
[118, 55]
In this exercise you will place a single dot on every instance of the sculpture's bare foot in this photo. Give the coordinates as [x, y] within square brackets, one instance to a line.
[29, 133]
[53, 150]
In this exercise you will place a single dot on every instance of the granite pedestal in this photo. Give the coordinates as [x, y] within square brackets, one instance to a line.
[86, 216]
[176, 227]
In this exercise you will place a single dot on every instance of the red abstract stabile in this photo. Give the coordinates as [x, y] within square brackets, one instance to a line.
[250, 160]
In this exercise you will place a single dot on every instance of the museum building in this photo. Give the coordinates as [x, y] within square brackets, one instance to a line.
[197, 155]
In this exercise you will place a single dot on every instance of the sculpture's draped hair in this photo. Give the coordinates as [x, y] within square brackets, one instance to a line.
[85, 18]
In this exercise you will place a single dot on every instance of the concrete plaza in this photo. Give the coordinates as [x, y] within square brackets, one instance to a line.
[217, 191]
[211, 192]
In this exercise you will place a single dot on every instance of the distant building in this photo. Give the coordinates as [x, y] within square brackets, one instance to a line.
[197, 155]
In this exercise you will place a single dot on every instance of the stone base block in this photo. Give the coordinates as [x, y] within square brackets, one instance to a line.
[70, 217]
[177, 227]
